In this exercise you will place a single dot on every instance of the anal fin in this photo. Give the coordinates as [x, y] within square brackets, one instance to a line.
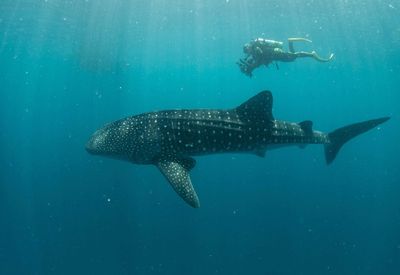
[260, 152]
[177, 173]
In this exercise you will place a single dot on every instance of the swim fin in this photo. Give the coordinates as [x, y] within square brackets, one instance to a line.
[299, 39]
[320, 59]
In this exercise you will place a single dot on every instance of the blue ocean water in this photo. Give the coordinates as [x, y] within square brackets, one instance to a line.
[68, 67]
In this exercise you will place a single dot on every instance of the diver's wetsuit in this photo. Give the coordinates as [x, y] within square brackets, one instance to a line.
[263, 52]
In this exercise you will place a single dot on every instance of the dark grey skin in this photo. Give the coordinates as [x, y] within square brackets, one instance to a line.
[169, 139]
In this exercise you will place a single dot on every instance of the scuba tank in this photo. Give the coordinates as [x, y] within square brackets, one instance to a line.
[269, 43]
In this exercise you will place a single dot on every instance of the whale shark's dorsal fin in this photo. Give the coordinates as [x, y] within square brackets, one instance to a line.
[257, 108]
[177, 173]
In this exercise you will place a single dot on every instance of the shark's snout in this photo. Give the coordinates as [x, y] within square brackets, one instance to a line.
[95, 142]
[89, 146]
[99, 143]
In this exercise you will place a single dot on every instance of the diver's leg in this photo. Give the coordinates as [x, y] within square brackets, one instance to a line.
[280, 55]
[314, 55]
[296, 39]
[291, 48]
[304, 54]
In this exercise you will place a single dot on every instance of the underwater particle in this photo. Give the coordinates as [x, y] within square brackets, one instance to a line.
[98, 94]
[108, 200]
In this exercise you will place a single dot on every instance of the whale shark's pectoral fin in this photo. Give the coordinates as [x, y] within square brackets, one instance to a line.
[177, 173]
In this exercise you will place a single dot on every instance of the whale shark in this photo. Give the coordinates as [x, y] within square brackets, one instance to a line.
[170, 139]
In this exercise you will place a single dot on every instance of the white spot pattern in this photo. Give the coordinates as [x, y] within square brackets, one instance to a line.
[166, 138]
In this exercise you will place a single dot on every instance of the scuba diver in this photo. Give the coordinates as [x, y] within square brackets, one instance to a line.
[262, 51]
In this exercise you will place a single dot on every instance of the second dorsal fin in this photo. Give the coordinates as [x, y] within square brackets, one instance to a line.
[306, 126]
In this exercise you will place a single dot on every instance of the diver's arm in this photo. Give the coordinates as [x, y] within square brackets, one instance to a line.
[245, 67]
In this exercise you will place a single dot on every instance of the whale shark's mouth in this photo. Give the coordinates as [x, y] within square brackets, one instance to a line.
[93, 145]
[89, 149]
[99, 142]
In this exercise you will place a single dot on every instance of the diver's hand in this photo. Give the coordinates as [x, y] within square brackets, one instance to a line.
[245, 67]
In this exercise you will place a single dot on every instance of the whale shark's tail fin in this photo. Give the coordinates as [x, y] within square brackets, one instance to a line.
[342, 135]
